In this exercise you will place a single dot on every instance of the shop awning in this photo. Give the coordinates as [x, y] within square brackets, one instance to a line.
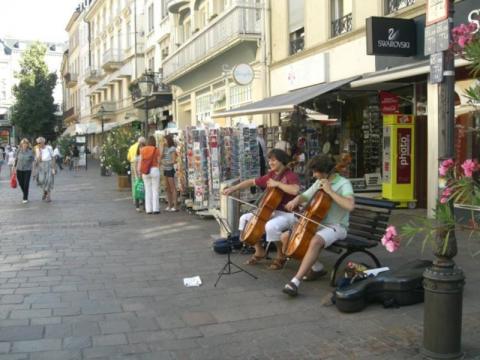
[399, 72]
[285, 102]
[69, 131]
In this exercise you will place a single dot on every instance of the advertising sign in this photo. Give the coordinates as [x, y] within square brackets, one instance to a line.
[391, 36]
[389, 103]
[404, 155]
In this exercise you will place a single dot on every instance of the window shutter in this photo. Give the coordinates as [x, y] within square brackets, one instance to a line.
[296, 12]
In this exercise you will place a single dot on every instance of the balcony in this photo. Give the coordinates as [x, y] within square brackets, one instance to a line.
[93, 76]
[174, 5]
[112, 60]
[236, 25]
[70, 115]
[109, 108]
[71, 79]
[342, 25]
[392, 6]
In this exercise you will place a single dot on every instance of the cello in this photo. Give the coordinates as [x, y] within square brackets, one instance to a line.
[315, 211]
[255, 227]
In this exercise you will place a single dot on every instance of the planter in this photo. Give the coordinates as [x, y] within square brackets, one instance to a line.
[123, 181]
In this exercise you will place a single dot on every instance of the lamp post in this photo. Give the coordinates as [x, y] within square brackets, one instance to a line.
[101, 114]
[145, 85]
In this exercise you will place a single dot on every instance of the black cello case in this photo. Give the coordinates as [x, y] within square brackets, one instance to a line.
[403, 286]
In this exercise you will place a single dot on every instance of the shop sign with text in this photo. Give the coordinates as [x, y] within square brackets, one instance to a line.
[391, 36]
[404, 158]
[389, 103]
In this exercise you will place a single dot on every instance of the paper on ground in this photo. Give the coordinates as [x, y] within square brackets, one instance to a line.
[192, 281]
[376, 271]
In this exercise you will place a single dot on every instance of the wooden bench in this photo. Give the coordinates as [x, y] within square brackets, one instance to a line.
[368, 222]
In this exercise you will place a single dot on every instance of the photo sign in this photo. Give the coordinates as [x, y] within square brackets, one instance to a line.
[391, 36]
[404, 155]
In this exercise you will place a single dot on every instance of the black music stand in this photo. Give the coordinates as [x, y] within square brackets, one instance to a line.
[227, 268]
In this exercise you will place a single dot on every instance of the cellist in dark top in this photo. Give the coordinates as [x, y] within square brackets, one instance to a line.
[336, 222]
[281, 219]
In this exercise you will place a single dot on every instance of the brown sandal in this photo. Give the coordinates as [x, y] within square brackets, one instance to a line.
[254, 260]
[277, 264]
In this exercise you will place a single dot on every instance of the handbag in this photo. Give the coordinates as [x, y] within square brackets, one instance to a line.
[138, 189]
[13, 181]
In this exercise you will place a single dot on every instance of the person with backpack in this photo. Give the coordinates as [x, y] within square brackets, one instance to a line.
[149, 167]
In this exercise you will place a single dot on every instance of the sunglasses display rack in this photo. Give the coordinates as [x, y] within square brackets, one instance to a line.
[246, 156]
[197, 163]
[214, 167]
[372, 136]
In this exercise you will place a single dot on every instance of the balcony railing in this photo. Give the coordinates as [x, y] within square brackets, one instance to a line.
[236, 23]
[297, 45]
[71, 79]
[112, 59]
[394, 5]
[342, 25]
[108, 108]
[69, 113]
[93, 76]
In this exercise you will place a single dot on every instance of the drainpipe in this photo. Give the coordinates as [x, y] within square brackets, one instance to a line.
[135, 36]
[266, 53]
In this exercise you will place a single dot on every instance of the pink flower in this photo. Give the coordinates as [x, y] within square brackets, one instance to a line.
[469, 167]
[445, 166]
[392, 246]
[443, 200]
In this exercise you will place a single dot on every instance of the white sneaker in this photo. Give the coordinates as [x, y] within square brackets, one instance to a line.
[167, 208]
[173, 209]
[24, 201]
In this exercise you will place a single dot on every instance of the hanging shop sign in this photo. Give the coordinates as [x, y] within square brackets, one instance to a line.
[437, 10]
[243, 74]
[391, 36]
[389, 103]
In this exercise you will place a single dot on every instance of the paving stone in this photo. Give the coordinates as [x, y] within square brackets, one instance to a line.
[17, 333]
[107, 340]
[28, 314]
[4, 347]
[76, 342]
[85, 328]
[67, 311]
[216, 329]
[12, 299]
[143, 324]
[149, 336]
[187, 333]
[56, 355]
[13, 356]
[58, 330]
[198, 318]
[46, 321]
[114, 326]
[93, 309]
[170, 322]
[37, 345]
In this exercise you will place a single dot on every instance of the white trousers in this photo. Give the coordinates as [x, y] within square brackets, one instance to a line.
[152, 183]
[279, 222]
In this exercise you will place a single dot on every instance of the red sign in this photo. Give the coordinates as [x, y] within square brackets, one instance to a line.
[404, 155]
[389, 103]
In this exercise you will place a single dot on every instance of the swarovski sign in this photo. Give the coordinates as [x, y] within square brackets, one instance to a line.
[390, 36]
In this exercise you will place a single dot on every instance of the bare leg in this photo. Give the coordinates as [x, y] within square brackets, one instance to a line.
[173, 191]
[169, 195]
[316, 245]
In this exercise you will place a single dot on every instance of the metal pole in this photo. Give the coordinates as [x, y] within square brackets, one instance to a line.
[444, 281]
[146, 118]
[102, 166]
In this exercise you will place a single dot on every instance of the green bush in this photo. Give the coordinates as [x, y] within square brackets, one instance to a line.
[115, 150]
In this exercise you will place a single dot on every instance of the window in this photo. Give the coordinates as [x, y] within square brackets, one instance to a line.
[296, 14]
[164, 9]
[240, 95]
[164, 52]
[341, 17]
[203, 107]
[395, 5]
[151, 24]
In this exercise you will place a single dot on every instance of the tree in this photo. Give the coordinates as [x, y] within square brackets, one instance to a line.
[33, 113]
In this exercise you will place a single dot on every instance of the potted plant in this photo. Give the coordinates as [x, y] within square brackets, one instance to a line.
[114, 154]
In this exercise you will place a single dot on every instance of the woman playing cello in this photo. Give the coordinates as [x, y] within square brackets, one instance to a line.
[336, 221]
[287, 181]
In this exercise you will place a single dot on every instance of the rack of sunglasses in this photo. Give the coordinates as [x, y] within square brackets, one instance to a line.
[372, 136]
[197, 164]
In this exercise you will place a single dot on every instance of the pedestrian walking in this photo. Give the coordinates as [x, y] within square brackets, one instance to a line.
[138, 177]
[149, 168]
[23, 166]
[11, 158]
[75, 157]
[2, 157]
[45, 168]
[58, 156]
[169, 158]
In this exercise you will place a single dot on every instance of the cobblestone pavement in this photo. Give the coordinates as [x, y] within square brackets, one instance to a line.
[86, 277]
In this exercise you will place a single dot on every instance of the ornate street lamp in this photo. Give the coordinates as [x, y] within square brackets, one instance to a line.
[101, 114]
[145, 85]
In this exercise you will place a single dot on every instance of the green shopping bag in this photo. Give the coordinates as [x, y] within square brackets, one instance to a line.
[139, 189]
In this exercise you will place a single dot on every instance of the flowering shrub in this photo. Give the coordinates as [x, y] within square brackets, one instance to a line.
[115, 148]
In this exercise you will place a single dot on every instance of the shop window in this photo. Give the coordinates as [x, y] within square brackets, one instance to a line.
[296, 25]
[203, 107]
[341, 17]
[394, 5]
[240, 95]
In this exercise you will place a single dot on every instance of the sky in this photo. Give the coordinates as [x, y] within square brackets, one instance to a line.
[43, 20]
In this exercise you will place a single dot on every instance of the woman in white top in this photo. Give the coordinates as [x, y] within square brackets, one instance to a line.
[45, 167]
[11, 159]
